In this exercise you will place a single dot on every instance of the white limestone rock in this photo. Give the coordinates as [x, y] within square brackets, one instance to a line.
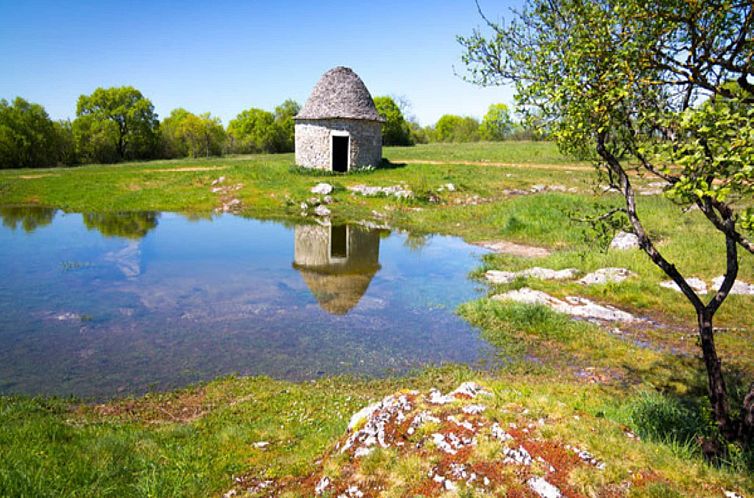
[605, 275]
[506, 277]
[739, 287]
[543, 488]
[624, 241]
[322, 211]
[575, 306]
[322, 189]
[699, 286]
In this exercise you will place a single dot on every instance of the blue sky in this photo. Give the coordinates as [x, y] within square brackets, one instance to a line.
[226, 56]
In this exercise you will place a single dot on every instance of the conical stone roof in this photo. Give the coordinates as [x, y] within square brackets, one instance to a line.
[340, 93]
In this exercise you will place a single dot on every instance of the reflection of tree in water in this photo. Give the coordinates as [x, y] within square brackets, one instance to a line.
[415, 241]
[128, 224]
[28, 217]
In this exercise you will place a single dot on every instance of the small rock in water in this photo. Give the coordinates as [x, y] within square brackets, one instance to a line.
[739, 287]
[697, 284]
[322, 189]
[605, 275]
[624, 241]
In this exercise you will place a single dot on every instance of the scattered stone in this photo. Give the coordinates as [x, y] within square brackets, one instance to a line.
[218, 181]
[506, 277]
[605, 275]
[261, 444]
[587, 457]
[304, 206]
[499, 433]
[575, 306]
[313, 201]
[362, 414]
[624, 241]
[448, 186]
[739, 286]
[474, 409]
[543, 488]
[215, 190]
[322, 211]
[538, 188]
[322, 189]
[469, 390]
[732, 494]
[517, 456]
[504, 247]
[322, 485]
[328, 199]
[697, 284]
[398, 191]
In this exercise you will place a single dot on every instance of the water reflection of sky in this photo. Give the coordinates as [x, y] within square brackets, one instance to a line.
[99, 305]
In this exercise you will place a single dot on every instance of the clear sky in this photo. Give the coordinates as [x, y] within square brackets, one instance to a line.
[225, 56]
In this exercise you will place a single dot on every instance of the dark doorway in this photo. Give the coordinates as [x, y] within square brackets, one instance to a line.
[339, 241]
[340, 153]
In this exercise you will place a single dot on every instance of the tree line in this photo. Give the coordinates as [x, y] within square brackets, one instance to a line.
[120, 124]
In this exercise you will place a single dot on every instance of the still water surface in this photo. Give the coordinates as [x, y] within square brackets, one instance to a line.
[100, 305]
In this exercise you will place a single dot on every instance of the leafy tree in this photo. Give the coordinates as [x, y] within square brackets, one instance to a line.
[662, 85]
[285, 132]
[497, 123]
[451, 128]
[28, 137]
[186, 134]
[119, 119]
[395, 129]
[253, 131]
[419, 134]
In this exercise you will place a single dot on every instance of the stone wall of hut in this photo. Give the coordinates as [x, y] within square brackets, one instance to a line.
[313, 142]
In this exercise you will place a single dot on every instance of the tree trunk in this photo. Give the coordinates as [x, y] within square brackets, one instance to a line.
[715, 383]
[747, 417]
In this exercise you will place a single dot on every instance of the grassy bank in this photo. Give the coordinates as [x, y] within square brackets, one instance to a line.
[594, 385]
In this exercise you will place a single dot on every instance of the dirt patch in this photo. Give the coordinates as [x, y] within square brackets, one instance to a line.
[186, 169]
[505, 247]
[183, 408]
[573, 167]
[33, 177]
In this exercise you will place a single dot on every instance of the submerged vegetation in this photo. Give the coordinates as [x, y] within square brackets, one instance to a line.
[634, 397]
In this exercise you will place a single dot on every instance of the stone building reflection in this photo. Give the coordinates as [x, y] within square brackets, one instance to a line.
[337, 263]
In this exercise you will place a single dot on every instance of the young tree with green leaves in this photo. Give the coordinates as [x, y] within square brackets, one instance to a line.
[284, 114]
[664, 88]
[497, 123]
[186, 134]
[253, 131]
[28, 137]
[395, 129]
[452, 128]
[115, 124]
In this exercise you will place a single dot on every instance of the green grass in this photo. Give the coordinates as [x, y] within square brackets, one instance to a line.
[192, 442]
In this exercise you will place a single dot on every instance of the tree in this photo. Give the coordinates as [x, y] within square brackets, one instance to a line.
[186, 134]
[665, 85]
[497, 123]
[451, 128]
[395, 129]
[285, 132]
[118, 119]
[253, 131]
[28, 137]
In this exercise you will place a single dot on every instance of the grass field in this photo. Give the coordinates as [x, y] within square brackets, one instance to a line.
[593, 384]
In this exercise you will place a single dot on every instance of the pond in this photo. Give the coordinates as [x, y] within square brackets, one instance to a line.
[100, 305]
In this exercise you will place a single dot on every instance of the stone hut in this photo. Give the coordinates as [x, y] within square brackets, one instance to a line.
[337, 263]
[338, 128]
